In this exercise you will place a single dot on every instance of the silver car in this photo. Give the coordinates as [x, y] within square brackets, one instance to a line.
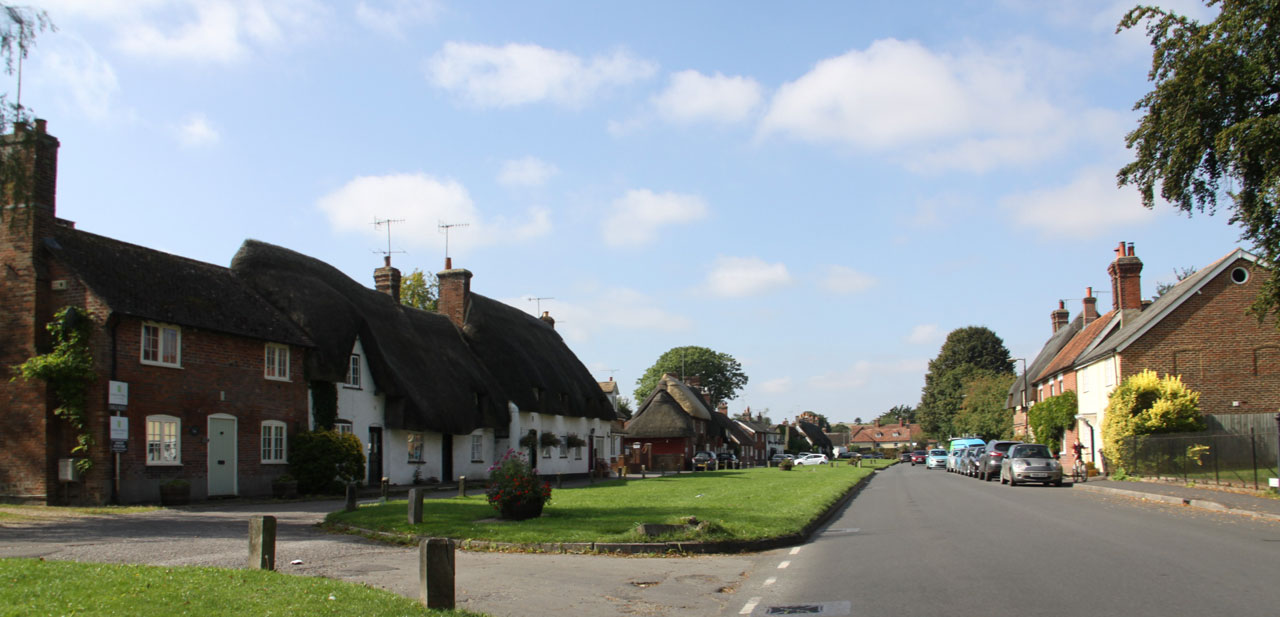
[1030, 462]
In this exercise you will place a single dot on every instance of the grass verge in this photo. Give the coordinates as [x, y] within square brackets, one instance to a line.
[33, 587]
[746, 504]
[38, 513]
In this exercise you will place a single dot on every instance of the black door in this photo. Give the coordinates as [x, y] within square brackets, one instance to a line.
[446, 458]
[375, 456]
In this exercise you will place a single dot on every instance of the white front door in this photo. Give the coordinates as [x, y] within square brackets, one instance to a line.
[222, 455]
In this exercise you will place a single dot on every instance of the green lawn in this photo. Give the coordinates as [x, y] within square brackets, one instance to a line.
[34, 588]
[745, 504]
[35, 512]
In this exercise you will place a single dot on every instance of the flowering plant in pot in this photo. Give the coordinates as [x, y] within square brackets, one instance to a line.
[515, 490]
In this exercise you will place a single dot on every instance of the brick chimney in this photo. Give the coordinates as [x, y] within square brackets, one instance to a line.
[387, 279]
[455, 295]
[1090, 303]
[723, 408]
[36, 184]
[1060, 318]
[1126, 279]
[551, 321]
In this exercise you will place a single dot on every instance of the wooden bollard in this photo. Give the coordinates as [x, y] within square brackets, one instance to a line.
[642, 472]
[262, 543]
[386, 489]
[462, 486]
[415, 506]
[351, 497]
[435, 572]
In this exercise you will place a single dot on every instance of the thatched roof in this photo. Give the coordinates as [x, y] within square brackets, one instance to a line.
[732, 429]
[534, 365]
[150, 284]
[422, 364]
[668, 411]
[814, 435]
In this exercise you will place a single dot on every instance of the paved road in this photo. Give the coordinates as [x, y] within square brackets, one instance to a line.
[920, 542]
[493, 583]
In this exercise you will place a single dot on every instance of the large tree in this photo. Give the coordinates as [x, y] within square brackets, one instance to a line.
[983, 412]
[968, 353]
[719, 373]
[1214, 113]
[898, 414]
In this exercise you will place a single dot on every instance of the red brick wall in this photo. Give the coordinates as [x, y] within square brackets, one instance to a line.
[1220, 351]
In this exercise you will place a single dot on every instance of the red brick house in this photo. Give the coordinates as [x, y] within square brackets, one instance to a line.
[672, 423]
[212, 371]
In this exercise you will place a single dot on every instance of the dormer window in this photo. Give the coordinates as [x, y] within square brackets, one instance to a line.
[161, 345]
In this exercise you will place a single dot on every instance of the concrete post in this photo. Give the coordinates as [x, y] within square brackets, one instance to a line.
[415, 506]
[642, 472]
[262, 543]
[386, 489]
[435, 572]
[462, 486]
[351, 497]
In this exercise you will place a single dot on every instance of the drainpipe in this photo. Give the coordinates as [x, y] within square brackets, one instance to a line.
[1093, 445]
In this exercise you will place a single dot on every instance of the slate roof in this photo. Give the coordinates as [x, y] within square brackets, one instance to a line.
[1066, 357]
[154, 285]
[1134, 324]
[1048, 352]
[863, 433]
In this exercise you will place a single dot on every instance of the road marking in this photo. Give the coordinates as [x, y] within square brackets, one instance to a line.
[795, 551]
[751, 606]
[783, 565]
[771, 580]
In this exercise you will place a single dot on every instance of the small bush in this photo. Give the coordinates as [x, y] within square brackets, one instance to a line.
[323, 461]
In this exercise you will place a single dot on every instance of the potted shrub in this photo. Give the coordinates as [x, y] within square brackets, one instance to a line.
[785, 464]
[175, 492]
[284, 487]
[515, 491]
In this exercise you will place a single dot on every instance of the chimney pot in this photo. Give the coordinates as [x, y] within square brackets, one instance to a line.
[41, 125]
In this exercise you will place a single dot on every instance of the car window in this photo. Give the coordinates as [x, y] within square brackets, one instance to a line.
[1032, 451]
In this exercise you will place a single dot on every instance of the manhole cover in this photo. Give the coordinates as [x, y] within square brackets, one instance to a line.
[826, 609]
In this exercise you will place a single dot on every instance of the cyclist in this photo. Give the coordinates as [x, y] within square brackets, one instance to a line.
[1077, 469]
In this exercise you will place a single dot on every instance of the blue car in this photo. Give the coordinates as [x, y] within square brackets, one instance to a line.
[937, 459]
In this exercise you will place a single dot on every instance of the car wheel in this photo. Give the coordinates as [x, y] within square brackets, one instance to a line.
[1057, 482]
[1012, 481]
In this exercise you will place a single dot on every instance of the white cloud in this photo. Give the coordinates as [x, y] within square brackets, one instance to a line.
[846, 280]
[392, 17]
[924, 334]
[930, 110]
[776, 386]
[637, 216]
[863, 372]
[196, 131]
[745, 276]
[527, 171]
[605, 313]
[423, 202]
[516, 74]
[693, 97]
[200, 30]
[88, 79]
[1089, 205]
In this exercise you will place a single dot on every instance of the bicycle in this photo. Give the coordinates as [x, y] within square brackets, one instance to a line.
[1079, 473]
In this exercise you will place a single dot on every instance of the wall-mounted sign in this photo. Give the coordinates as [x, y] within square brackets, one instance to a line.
[117, 395]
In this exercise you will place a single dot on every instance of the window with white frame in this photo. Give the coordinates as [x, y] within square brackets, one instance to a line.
[161, 344]
[415, 446]
[577, 453]
[564, 446]
[599, 447]
[277, 362]
[353, 372]
[163, 445]
[477, 448]
[273, 442]
[343, 427]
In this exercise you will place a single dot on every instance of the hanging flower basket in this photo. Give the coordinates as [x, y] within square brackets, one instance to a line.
[548, 440]
[529, 440]
[574, 441]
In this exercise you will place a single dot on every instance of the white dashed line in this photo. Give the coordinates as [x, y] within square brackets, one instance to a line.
[751, 606]
[783, 565]
[795, 551]
[771, 580]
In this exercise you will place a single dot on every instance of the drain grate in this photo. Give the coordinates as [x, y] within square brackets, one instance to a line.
[826, 609]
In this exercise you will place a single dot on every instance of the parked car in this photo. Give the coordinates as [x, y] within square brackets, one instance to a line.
[727, 460]
[812, 459]
[989, 464]
[918, 457]
[937, 459]
[777, 458]
[847, 454]
[873, 455]
[704, 458]
[953, 459]
[971, 456]
[1030, 462]
[905, 457]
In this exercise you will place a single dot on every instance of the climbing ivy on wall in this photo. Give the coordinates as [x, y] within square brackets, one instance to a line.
[324, 404]
[68, 370]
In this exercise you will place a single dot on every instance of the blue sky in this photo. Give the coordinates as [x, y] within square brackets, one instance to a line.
[822, 190]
